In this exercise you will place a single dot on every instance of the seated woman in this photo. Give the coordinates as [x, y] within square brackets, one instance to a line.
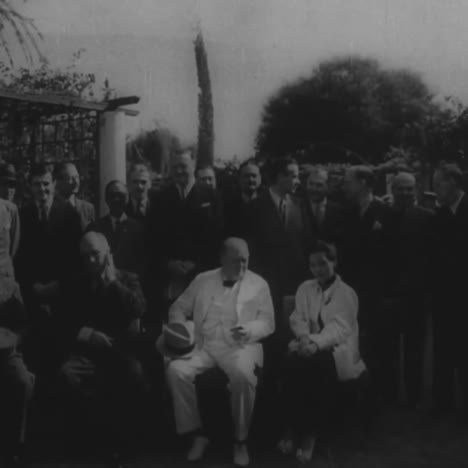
[324, 352]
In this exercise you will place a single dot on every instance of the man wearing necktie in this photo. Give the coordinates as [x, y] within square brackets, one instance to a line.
[124, 234]
[232, 311]
[184, 230]
[326, 216]
[366, 267]
[47, 257]
[280, 236]
[449, 263]
[68, 187]
[139, 180]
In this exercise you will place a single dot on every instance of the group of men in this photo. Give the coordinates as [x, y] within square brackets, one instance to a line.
[90, 287]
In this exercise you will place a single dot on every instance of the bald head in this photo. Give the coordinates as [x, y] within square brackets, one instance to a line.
[404, 190]
[95, 250]
[234, 258]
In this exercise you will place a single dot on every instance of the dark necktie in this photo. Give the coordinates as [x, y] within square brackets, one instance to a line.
[229, 283]
[140, 208]
[43, 216]
[282, 210]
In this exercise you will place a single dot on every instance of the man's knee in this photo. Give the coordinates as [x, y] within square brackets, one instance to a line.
[243, 373]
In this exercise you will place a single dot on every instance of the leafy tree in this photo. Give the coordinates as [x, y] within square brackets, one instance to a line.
[154, 148]
[23, 30]
[348, 108]
[45, 79]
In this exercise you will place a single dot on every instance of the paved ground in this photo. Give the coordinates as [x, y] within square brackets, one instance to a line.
[399, 439]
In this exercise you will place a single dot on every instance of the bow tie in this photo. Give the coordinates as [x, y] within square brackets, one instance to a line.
[229, 283]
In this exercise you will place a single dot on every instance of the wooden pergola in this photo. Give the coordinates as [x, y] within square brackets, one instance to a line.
[51, 127]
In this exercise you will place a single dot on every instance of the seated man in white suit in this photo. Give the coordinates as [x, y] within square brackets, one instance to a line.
[232, 310]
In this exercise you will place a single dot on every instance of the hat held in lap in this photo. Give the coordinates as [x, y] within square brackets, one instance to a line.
[177, 340]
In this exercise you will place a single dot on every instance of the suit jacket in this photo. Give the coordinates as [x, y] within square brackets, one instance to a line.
[338, 309]
[413, 241]
[51, 252]
[278, 252]
[86, 212]
[254, 305]
[365, 260]
[111, 310]
[134, 214]
[452, 251]
[189, 229]
[238, 218]
[126, 242]
[331, 228]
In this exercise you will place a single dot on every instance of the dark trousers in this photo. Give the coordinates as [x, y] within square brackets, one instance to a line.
[309, 389]
[16, 392]
[450, 322]
[112, 382]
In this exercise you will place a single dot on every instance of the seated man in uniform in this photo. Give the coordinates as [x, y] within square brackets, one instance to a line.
[232, 310]
[17, 382]
[105, 306]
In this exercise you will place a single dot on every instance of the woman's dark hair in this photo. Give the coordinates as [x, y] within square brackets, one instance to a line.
[327, 248]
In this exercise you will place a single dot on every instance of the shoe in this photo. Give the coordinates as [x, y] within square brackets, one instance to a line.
[198, 449]
[241, 455]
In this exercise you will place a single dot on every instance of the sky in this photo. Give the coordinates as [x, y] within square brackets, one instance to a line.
[254, 47]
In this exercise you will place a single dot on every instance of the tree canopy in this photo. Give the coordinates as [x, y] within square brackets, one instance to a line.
[348, 109]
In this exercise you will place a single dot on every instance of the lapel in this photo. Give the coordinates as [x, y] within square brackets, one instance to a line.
[273, 211]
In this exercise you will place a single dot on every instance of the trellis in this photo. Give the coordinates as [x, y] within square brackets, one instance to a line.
[53, 128]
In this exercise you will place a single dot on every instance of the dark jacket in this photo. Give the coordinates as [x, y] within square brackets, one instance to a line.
[365, 257]
[126, 242]
[238, 217]
[451, 255]
[189, 229]
[278, 252]
[331, 228]
[413, 242]
[51, 252]
[111, 310]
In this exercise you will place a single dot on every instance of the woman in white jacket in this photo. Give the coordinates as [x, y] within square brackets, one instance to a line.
[324, 352]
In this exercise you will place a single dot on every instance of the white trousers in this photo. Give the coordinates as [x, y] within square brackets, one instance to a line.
[239, 364]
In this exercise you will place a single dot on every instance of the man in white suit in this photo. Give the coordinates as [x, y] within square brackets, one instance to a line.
[232, 310]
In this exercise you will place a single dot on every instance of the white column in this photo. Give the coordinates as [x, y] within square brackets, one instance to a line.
[112, 162]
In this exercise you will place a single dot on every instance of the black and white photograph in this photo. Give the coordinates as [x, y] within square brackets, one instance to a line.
[233, 233]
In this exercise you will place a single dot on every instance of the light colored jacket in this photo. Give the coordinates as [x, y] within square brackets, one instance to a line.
[254, 305]
[338, 308]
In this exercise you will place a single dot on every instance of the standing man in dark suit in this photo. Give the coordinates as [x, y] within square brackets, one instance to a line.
[413, 237]
[48, 255]
[238, 210]
[326, 216]
[139, 183]
[184, 228]
[450, 320]
[124, 235]
[280, 240]
[68, 187]
[365, 266]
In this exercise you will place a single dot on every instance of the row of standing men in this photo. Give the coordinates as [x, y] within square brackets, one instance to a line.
[403, 260]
